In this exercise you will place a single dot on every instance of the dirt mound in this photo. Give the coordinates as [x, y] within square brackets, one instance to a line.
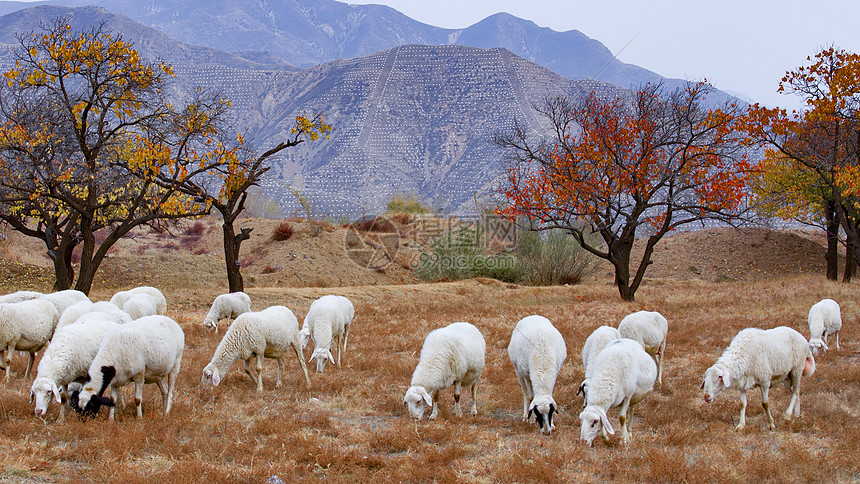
[319, 254]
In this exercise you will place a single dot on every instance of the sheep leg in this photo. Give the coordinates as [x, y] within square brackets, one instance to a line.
[794, 403]
[475, 398]
[435, 406]
[259, 372]
[114, 393]
[345, 336]
[743, 420]
[298, 351]
[457, 410]
[630, 420]
[162, 386]
[31, 356]
[622, 417]
[660, 355]
[524, 388]
[280, 371]
[247, 364]
[7, 358]
[837, 340]
[138, 394]
[766, 405]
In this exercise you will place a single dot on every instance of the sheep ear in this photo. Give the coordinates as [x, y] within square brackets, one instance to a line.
[606, 425]
[106, 401]
[725, 378]
[553, 407]
[531, 410]
[216, 377]
[56, 392]
[702, 386]
[32, 396]
[428, 398]
[330, 357]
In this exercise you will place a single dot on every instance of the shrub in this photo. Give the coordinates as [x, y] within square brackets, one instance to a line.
[283, 231]
[461, 256]
[196, 230]
[376, 224]
[406, 204]
[552, 257]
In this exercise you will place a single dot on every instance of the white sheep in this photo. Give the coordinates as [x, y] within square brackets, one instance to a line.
[146, 350]
[594, 344]
[329, 317]
[648, 328]
[227, 306]
[268, 333]
[824, 319]
[19, 296]
[62, 300]
[121, 297]
[139, 305]
[453, 355]
[760, 358]
[26, 326]
[623, 374]
[68, 359]
[75, 311]
[537, 351]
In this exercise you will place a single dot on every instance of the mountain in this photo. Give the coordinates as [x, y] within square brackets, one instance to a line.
[305, 33]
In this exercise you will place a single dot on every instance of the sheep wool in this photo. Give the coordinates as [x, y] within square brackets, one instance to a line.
[760, 358]
[139, 305]
[825, 318]
[537, 351]
[146, 350]
[26, 326]
[329, 317]
[121, 297]
[649, 329]
[450, 356]
[227, 306]
[81, 309]
[269, 333]
[623, 375]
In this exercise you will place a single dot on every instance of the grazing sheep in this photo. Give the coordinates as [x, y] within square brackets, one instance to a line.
[623, 374]
[228, 306]
[68, 359]
[537, 352]
[62, 300]
[825, 319]
[146, 350]
[121, 297]
[75, 311]
[139, 305]
[648, 328]
[19, 296]
[26, 326]
[594, 344]
[268, 333]
[453, 355]
[760, 358]
[329, 317]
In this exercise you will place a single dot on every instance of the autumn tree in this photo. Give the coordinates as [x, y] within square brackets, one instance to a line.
[624, 168]
[812, 162]
[230, 168]
[79, 112]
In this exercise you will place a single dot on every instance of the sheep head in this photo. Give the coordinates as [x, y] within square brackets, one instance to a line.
[322, 355]
[593, 420]
[211, 375]
[417, 400]
[716, 380]
[543, 409]
[41, 392]
[816, 345]
[90, 399]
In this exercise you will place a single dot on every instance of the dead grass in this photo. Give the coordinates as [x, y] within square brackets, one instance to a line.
[351, 426]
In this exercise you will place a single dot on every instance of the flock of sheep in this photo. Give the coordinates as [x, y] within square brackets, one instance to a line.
[93, 346]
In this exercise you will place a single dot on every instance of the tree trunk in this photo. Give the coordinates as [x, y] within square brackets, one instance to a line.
[831, 257]
[619, 256]
[232, 244]
[850, 262]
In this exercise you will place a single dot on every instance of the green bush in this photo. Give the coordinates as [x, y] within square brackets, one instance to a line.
[461, 256]
[406, 204]
[552, 257]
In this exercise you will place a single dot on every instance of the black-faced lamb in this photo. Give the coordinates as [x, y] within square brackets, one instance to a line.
[537, 351]
[328, 318]
[146, 350]
[269, 333]
[26, 326]
[648, 328]
[623, 374]
[227, 306]
[453, 355]
[760, 358]
[825, 318]
[68, 359]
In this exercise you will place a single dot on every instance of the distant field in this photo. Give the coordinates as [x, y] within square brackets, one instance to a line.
[351, 425]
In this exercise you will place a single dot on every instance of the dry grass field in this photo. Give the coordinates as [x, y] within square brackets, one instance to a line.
[351, 425]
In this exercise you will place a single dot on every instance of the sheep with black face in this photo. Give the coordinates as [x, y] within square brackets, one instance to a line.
[537, 351]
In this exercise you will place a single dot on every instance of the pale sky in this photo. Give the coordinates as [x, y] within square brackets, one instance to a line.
[741, 46]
